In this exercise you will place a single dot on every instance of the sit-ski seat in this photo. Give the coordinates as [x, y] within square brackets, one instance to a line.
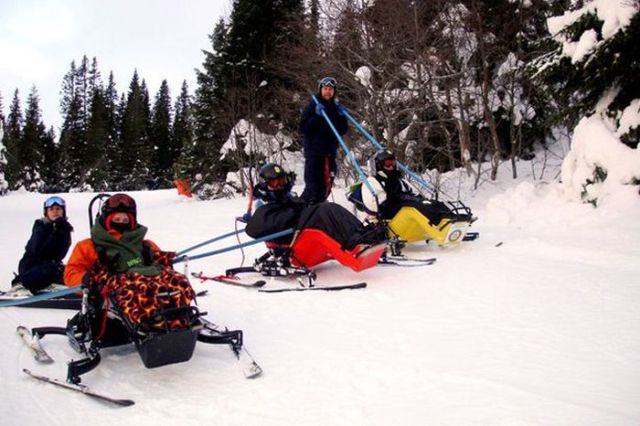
[410, 225]
[313, 247]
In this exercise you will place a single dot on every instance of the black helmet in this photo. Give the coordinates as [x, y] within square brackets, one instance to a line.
[276, 181]
[120, 203]
[385, 161]
[55, 201]
[276, 178]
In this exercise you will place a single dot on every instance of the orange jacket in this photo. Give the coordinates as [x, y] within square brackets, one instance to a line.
[83, 257]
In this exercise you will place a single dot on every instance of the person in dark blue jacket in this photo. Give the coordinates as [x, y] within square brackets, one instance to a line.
[320, 143]
[41, 265]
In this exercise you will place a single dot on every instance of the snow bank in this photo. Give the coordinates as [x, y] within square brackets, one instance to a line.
[599, 167]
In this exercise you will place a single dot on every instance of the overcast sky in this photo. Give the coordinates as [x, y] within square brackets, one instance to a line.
[162, 39]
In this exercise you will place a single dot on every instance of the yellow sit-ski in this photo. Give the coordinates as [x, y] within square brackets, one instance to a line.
[410, 225]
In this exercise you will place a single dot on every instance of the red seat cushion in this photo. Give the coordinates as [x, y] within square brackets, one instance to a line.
[313, 247]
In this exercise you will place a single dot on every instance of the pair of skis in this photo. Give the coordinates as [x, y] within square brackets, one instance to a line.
[250, 367]
[259, 284]
[231, 278]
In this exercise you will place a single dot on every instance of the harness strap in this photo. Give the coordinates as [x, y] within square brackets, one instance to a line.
[327, 177]
[103, 327]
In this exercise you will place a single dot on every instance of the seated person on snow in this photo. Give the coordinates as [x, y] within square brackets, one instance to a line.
[118, 260]
[279, 209]
[393, 193]
[41, 265]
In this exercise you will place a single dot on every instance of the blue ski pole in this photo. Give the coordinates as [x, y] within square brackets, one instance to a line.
[273, 236]
[212, 240]
[346, 150]
[379, 146]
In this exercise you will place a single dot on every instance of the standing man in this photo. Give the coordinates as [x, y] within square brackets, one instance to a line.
[320, 143]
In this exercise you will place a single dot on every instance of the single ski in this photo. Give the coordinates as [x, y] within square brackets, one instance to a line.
[250, 367]
[229, 279]
[33, 343]
[323, 287]
[81, 389]
[406, 261]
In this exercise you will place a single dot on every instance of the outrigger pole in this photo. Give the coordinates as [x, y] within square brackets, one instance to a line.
[380, 147]
[273, 236]
[346, 150]
[212, 240]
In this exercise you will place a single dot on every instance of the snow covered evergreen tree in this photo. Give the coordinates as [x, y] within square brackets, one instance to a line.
[132, 167]
[73, 135]
[182, 133]
[11, 142]
[4, 185]
[32, 144]
[163, 154]
[595, 68]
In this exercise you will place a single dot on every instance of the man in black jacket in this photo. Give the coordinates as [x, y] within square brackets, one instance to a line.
[279, 209]
[41, 265]
[320, 143]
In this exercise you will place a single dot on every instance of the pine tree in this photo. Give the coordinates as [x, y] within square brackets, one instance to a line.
[242, 76]
[32, 144]
[114, 150]
[11, 142]
[4, 185]
[50, 170]
[134, 144]
[612, 67]
[73, 135]
[1, 112]
[209, 101]
[163, 153]
[98, 136]
[182, 134]
[111, 143]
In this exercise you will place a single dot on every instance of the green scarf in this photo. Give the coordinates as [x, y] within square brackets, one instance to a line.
[125, 254]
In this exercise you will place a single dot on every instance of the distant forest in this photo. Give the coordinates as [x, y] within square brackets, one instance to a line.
[445, 84]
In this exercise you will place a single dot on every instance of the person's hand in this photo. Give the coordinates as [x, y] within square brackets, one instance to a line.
[244, 218]
[319, 109]
[342, 110]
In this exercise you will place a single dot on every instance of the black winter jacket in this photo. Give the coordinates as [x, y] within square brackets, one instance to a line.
[49, 243]
[319, 139]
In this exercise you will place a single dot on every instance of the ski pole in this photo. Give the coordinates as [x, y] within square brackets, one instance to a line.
[39, 297]
[379, 146]
[273, 236]
[204, 243]
[346, 150]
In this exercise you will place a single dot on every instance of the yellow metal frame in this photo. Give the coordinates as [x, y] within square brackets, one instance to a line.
[410, 225]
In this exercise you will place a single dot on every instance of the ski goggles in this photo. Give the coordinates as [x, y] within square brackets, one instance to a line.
[328, 81]
[389, 163]
[54, 201]
[120, 201]
[277, 183]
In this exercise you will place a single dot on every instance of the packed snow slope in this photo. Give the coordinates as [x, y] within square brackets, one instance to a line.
[535, 323]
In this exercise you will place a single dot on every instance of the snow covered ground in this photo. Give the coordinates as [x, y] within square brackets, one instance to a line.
[542, 329]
